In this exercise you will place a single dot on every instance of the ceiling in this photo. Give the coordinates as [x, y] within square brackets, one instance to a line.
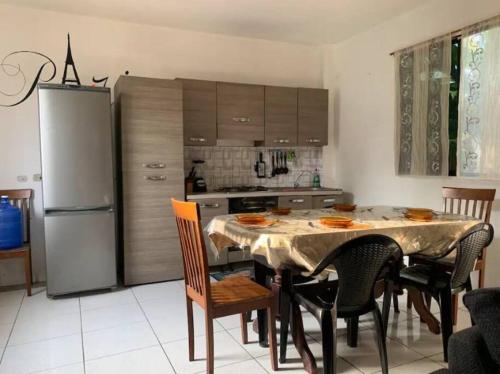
[296, 21]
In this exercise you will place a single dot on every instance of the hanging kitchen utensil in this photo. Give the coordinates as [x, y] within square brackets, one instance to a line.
[285, 168]
[273, 169]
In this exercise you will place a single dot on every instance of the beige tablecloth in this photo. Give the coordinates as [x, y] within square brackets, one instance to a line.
[300, 240]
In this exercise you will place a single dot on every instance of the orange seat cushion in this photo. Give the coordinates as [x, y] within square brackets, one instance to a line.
[238, 289]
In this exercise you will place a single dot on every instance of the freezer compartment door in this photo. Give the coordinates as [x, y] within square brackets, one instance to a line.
[80, 251]
[76, 148]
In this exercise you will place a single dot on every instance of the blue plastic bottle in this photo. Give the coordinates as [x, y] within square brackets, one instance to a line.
[11, 225]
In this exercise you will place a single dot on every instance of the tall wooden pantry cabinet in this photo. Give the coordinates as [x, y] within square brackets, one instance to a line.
[149, 136]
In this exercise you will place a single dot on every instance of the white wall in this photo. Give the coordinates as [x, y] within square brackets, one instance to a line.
[360, 75]
[101, 47]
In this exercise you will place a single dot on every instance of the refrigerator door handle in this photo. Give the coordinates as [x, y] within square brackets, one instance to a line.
[76, 210]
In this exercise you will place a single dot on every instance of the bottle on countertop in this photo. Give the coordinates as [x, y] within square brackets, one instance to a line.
[316, 179]
[261, 167]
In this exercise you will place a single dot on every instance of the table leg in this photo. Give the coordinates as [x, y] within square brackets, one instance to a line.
[418, 302]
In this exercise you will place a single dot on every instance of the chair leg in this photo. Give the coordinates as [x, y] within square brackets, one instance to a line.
[271, 323]
[454, 309]
[189, 305]
[395, 302]
[481, 276]
[27, 272]
[386, 307]
[244, 331]
[382, 349]
[408, 301]
[446, 319]
[352, 331]
[209, 332]
[329, 341]
[284, 325]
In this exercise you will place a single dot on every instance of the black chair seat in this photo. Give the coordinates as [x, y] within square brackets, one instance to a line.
[424, 275]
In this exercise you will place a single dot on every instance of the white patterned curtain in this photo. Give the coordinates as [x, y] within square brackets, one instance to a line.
[478, 148]
[422, 97]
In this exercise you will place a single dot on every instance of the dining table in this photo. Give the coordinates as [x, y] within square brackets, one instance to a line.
[294, 244]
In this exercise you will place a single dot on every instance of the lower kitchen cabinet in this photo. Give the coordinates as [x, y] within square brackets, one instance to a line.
[209, 208]
[295, 202]
[323, 201]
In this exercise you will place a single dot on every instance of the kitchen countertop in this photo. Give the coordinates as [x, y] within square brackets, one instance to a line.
[279, 191]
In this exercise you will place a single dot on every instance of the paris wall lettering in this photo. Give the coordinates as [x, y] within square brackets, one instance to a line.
[16, 69]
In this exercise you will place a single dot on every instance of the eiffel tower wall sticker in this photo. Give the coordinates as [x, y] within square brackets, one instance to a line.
[71, 64]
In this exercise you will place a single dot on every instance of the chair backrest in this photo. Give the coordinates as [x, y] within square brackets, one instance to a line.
[21, 199]
[194, 255]
[359, 264]
[469, 248]
[472, 202]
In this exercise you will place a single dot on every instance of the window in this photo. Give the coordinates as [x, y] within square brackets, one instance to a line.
[448, 105]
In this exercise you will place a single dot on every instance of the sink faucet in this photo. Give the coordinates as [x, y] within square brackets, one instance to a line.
[296, 183]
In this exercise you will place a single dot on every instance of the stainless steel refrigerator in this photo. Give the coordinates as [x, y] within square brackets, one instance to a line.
[78, 181]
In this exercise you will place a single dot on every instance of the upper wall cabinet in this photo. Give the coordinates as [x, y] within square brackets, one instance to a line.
[240, 111]
[200, 112]
[280, 116]
[313, 116]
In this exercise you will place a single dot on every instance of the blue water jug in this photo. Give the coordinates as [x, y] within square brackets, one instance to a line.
[11, 225]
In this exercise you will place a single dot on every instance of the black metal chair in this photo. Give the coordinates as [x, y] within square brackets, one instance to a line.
[359, 263]
[431, 279]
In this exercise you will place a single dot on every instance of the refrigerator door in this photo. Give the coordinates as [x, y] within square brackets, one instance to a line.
[76, 147]
[80, 250]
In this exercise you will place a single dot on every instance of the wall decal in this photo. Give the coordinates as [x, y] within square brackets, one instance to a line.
[104, 81]
[71, 63]
[14, 70]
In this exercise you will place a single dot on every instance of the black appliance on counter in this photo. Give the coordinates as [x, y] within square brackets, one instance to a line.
[256, 204]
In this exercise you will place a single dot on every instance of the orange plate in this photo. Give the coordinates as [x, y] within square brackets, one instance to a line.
[339, 219]
[344, 207]
[336, 221]
[250, 218]
[419, 217]
[281, 211]
[338, 225]
[419, 211]
[265, 223]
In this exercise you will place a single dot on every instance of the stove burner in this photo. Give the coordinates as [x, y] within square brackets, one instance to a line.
[241, 189]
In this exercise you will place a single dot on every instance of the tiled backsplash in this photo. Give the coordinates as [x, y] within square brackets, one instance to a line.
[234, 166]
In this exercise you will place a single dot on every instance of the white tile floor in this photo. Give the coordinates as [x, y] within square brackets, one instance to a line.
[143, 330]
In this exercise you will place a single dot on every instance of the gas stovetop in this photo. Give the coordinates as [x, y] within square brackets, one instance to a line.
[241, 189]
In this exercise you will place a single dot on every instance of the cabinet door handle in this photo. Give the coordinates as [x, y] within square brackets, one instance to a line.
[297, 201]
[154, 165]
[331, 200]
[210, 206]
[241, 119]
[199, 140]
[313, 140]
[155, 178]
[281, 141]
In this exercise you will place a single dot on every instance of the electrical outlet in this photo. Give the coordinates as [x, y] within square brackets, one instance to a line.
[37, 177]
[22, 178]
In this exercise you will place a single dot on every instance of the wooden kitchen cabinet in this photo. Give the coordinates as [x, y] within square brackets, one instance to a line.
[240, 111]
[295, 202]
[312, 116]
[200, 112]
[150, 172]
[280, 116]
[209, 208]
[325, 201]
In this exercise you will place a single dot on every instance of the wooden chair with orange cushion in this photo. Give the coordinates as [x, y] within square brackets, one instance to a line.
[22, 199]
[473, 202]
[235, 295]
